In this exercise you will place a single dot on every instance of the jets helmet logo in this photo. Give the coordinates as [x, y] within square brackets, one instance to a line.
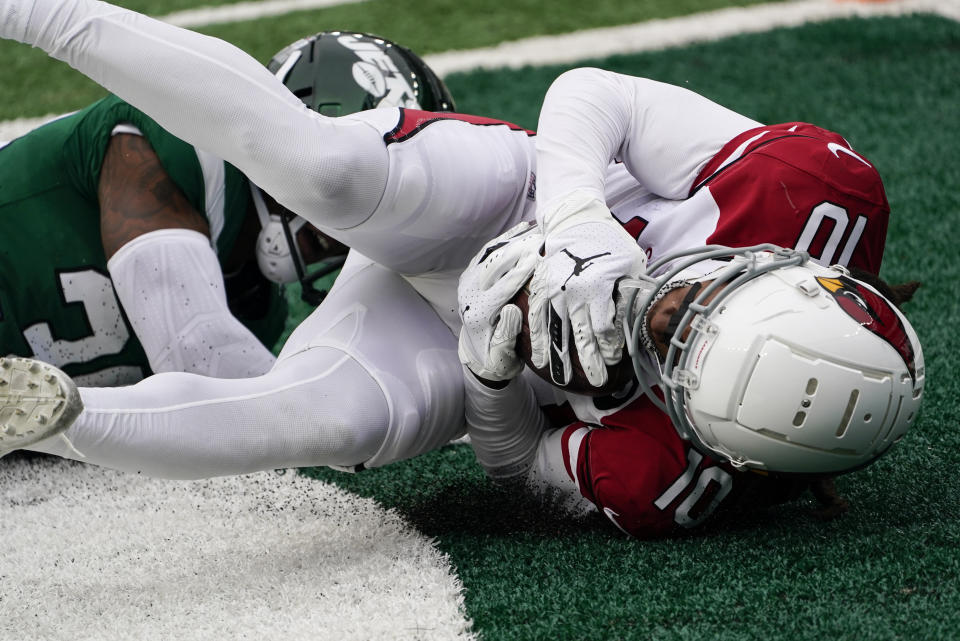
[378, 75]
[873, 312]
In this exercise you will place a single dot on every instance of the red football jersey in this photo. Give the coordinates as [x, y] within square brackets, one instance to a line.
[797, 185]
[793, 185]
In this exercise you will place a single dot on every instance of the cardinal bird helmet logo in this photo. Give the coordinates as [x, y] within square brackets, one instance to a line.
[873, 312]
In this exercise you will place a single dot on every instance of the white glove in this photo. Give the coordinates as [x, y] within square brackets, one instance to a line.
[490, 324]
[587, 253]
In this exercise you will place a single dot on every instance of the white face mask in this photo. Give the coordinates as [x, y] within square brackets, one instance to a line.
[699, 272]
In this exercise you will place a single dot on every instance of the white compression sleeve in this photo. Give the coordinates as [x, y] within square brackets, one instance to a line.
[171, 287]
[511, 440]
[505, 426]
[318, 407]
[211, 94]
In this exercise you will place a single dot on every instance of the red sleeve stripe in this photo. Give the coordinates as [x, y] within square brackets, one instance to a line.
[413, 120]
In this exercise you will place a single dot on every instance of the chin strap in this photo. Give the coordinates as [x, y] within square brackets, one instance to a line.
[677, 316]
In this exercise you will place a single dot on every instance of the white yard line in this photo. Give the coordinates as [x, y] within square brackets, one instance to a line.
[242, 11]
[655, 35]
[652, 35]
[10, 129]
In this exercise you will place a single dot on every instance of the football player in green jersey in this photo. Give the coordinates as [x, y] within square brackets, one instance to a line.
[130, 251]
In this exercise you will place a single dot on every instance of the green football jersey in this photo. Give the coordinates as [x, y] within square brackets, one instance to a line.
[57, 301]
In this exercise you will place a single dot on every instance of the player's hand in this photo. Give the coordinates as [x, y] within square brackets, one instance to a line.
[575, 288]
[490, 323]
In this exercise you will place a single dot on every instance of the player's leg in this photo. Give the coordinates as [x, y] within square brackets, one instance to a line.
[453, 185]
[427, 205]
[368, 378]
[408, 209]
[379, 320]
[177, 425]
[216, 97]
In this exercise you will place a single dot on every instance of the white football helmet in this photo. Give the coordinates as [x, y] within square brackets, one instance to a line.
[791, 367]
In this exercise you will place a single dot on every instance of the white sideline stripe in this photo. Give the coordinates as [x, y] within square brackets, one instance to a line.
[242, 11]
[645, 36]
[655, 35]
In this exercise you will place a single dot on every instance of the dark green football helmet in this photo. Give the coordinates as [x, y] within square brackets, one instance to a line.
[337, 73]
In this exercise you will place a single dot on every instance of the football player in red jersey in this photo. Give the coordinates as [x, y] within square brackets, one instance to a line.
[418, 194]
[757, 399]
[758, 371]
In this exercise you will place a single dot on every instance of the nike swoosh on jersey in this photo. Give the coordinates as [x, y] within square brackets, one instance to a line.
[612, 516]
[834, 148]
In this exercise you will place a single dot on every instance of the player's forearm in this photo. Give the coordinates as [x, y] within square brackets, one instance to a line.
[583, 122]
[504, 425]
[663, 134]
[512, 442]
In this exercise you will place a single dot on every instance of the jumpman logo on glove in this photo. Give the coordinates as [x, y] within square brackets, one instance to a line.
[567, 314]
[580, 265]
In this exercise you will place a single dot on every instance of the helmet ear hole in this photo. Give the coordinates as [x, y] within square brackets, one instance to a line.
[848, 413]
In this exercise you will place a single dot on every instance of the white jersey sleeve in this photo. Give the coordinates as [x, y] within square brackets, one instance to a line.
[662, 133]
